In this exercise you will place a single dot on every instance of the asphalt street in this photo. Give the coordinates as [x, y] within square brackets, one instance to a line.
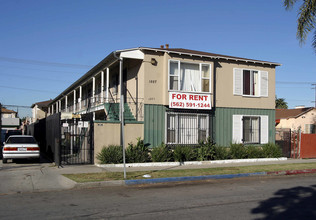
[282, 197]
[27, 176]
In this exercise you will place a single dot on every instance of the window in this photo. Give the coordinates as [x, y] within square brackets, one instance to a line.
[173, 75]
[189, 77]
[251, 129]
[310, 129]
[206, 78]
[21, 140]
[250, 82]
[186, 128]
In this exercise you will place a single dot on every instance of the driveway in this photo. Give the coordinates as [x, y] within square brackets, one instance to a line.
[26, 176]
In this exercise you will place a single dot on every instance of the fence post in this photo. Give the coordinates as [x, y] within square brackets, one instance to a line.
[299, 143]
[292, 144]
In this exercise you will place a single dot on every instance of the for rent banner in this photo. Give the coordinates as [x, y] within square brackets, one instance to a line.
[190, 100]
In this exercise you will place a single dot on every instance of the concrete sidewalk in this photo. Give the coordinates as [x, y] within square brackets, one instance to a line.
[20, 178]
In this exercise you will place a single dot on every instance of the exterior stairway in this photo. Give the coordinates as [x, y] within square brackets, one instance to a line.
[113, 112]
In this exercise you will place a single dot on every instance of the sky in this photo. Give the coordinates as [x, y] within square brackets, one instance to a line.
[46, 45]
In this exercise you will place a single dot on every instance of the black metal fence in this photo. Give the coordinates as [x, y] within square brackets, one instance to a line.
[65, 141]
[53, 136]
[76, 145]
[38, 130]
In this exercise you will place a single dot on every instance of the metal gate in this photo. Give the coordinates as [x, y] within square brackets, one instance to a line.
[76, 142]
[283, 139]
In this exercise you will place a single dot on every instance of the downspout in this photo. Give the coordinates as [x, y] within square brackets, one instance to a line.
[121, 109]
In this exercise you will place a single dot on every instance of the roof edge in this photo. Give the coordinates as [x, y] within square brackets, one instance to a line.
[217, 56]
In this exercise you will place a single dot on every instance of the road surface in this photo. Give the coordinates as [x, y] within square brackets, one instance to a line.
[286, 197]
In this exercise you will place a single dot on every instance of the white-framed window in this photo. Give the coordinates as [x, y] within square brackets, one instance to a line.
[186, 128]
[189, 77]
[251, 129]
[249, 82]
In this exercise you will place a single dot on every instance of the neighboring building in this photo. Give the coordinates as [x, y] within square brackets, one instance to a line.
[7, 113]
[39, 110]
[176, 96]
[9, 121]
[298, 118]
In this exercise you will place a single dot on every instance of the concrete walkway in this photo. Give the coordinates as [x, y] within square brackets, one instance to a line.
[29, 177]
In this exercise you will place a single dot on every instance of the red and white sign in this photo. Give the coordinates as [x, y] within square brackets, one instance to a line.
[190, 100]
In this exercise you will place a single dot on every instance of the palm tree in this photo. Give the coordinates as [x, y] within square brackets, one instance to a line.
[306, 21]
[280, 103]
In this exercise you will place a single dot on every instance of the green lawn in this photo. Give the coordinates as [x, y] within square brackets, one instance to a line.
[106, 176]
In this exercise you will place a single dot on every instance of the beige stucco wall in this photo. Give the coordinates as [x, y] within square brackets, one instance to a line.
[156, 81]
[37, 113]
[40, 113]
[224, 87]
[156, 77]
[295, 123]
[106, 134]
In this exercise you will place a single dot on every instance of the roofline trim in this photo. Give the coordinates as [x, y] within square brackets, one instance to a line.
[199, 55]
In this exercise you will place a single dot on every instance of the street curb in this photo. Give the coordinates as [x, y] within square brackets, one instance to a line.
[190, 178]
[292, 172]
[100, 184]
[160, 164]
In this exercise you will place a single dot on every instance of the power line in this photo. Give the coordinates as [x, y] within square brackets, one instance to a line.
[45, 63]
[33, 90]
[20, 106]
[283, 82]
[26, 68]
[292, 87]
[37, 78]
[299, 100]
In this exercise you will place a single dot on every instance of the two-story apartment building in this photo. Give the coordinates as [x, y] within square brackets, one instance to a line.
[176, 96]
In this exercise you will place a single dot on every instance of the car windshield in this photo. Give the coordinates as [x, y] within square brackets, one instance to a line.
[21, 140]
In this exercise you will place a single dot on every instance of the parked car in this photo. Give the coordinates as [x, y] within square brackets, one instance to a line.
[20, 147]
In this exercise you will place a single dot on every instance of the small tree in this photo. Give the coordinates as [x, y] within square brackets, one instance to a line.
[280, 103]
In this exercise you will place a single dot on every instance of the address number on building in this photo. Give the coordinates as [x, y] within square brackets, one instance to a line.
[189, 100]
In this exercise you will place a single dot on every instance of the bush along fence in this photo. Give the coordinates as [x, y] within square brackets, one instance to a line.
[140, 153]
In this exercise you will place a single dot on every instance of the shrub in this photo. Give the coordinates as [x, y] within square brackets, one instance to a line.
[206, 151]
[184, 153]
[271, 150]
[138, 153]
[111, 154]
[222, 153]
[254, 152]
[161, 153]
[238, 151]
